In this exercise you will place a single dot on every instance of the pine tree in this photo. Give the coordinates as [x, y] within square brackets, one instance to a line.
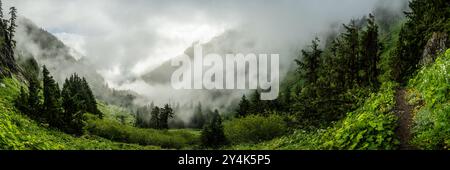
[154, 120]
[213, 134]
[34, 103]
[77, 100]
[425, 18]
[166, 113]
[12, 26]
[371, 48]
[198, 118]
[309, 64]
[141, 117]
[256, 105]
[351, 52]
[244, 107]
[90, 101]
[52, 104]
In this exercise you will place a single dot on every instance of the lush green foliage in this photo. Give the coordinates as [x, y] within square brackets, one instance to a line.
[116, 131]
[63, 110]
[432, 121]
[18, 132]
[369, 127]
[254, 128]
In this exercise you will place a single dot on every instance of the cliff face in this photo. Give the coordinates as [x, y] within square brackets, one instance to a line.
[436, 45]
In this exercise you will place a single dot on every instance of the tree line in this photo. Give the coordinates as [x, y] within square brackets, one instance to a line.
[62, 109]
[327, 79]
[154, 117]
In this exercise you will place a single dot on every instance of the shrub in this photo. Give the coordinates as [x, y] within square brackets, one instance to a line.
[254, 128]
[370, 127]
[431, 125]
[116, 131]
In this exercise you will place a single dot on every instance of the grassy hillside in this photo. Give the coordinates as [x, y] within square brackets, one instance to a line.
[369, 127]
[18, 132]
[429, 91]
[116, 131]
[373, 125]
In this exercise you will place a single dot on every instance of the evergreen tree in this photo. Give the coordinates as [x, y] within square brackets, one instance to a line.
[166, 113]
[371, 48]
[34, 103]
[244, 107]
[309, 64]
[425, 18]
[351, 53]
[198, 118]
[90, 101]
[256, 105]
[12, 28]
[212, 134]
[52, 104]
[154, 120]
[28, 101]
[142, 114]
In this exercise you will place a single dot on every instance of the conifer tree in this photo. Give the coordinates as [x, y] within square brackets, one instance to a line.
[310, 62]
[34, 103]
[52, 104]
[256, 105]
[243, 108]
[198, 118]
[351, 52]
[12, 26]
[154, 120]
[370, 56]
[212, 134]
[166, 113]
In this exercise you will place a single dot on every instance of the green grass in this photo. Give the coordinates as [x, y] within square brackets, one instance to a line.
[169, 139]
[429, 90]
[18, 132]
[254, 128]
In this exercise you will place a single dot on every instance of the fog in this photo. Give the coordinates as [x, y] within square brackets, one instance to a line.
[124, 41]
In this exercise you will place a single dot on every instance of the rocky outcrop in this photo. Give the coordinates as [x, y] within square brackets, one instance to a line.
[436, 45]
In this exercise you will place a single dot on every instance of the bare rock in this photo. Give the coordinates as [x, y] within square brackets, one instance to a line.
[435, 46]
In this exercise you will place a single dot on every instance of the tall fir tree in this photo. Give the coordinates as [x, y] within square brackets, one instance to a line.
[371, 51]
[243, 108]
[213, 134]
[310, 62]
[154, 120]
[52, 103]
[166, 113]
[198, 118]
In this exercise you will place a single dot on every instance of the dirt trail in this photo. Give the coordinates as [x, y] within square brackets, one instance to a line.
[404, 112]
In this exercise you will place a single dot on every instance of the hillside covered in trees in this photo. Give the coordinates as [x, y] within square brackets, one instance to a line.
[382, 82]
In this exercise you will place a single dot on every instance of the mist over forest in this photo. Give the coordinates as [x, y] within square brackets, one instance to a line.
[353, 74]
[131, 49]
